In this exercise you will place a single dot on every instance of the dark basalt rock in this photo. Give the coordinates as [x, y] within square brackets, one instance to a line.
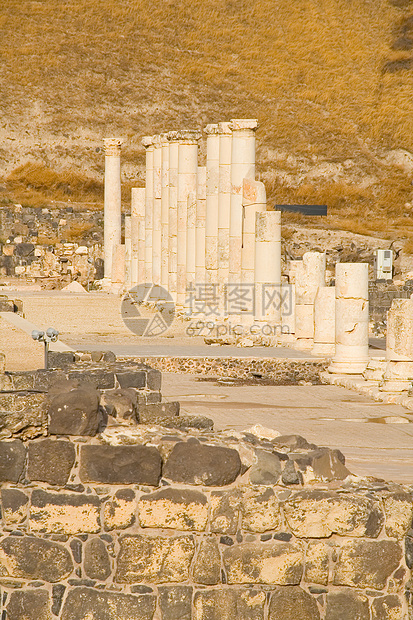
[83, 602]
[120, 464]
[194, 463]
[51, 461]
[75, 413]
[12, 460]
[35, 558]
[292, 602]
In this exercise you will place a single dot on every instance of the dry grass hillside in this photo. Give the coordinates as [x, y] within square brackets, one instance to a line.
[329, 80]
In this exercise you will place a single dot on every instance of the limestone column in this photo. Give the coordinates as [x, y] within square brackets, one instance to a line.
[138, 235]
[254, 200]
[352, 319]
[200, 225]
[224, 200]
[310, 276]
[157, 210]
[324, 321]
[211, 215]
[112, 202]
[118, 268]
[173, 213]
[242, 167]
[191, 239]
[398, 375]
[147, 142]
[164, 211]
[128, 252]
[267, 270]
[187, 173]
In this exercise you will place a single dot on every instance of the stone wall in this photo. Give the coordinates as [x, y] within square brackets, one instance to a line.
[106, 518]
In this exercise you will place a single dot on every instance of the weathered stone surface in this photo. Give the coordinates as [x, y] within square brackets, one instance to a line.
[229, 604]
[153, 379]
[175, 602]
[194, 463]
[29, 605]
[293, 603]
[316, 562]
[318, 514]
[293, 442]
[23, 414]
[96, 562]
[64, 513]
[97, 605]
[12, 460]
[398, 508]
[366, 563]
[120, 464]
[185, 423]
[75, 412]
[207, 567]
[271, 562]
[180, 509]
[98, 379]
[328, 464]
[266, 470]
[14, 506]
[51, 461]
[134, 379]
[156, 559]
[152, 412]
[387, 608]
[58, 592]
[119, 512]
[121, 404]
[347, 605]
[260, 510]
[60, 359]
[225, 506]
[34, 558]
[290, 475]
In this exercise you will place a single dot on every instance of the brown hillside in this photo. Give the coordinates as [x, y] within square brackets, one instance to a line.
[330, 81]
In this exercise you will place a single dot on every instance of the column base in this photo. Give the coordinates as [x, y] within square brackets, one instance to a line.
[390, 385]
[348, 367]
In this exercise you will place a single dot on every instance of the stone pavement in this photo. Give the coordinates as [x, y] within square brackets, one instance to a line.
[324, 414]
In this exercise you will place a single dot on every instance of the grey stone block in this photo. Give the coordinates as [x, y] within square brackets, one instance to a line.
[120, 464]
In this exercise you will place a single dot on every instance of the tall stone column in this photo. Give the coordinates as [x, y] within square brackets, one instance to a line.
[310, 276]
[242, 167]
[398, 376]
[165, 211]
[128, 252]
[254, 200]
[147, 142]
[112, 203]
[211, 216]
[191, 239]
[157, 210]
[173, 213]
[324, 321]
[352, 319]
[200, 225]
[138, 235]
[187, 173]
[224, 200]
[267, 271]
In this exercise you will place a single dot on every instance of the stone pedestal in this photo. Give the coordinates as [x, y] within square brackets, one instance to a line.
[128, 252]
[165, 211]
[309, 277]
[157, 210]
[352, 319]
[398, 375]
[173, 212]
[138, 235]
[254, 200]
[267, 271]
[112, 202]
[200, 225]
[224, 200]
[242, 167]
[324, 321]
[147, 142]
[187, 176]
[211, 215]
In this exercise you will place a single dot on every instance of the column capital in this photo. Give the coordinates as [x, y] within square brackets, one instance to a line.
[188, 136]
[173, 136]
[157, 140]
[147, 141]
[239, 124]
[225, 128]
[164, 138]
[211, 129]
[112, 146]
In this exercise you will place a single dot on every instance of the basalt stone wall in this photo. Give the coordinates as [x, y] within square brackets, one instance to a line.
[143, 523]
